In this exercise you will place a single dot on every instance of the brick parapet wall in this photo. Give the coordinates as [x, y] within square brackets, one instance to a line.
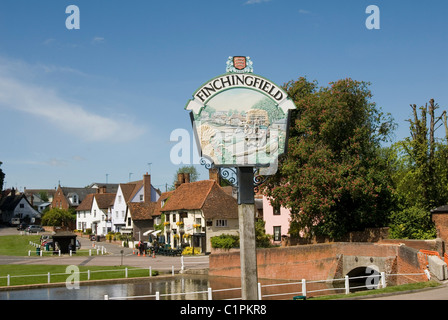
[318, 262]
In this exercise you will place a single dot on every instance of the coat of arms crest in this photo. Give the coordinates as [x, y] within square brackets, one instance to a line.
[239, 64]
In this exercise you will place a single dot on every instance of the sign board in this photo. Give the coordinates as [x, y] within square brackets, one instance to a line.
[240, 119]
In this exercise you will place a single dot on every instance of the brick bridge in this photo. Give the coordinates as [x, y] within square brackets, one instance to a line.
[332, 260]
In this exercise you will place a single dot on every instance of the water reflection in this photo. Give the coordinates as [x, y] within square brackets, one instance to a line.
[167, 286]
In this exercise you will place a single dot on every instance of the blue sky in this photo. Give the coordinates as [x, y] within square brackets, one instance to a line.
[76, 105]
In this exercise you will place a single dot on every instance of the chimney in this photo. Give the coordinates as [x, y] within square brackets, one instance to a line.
[182, 177]
[13, 192]
[101, 190]
[213, 174]
[147, 188]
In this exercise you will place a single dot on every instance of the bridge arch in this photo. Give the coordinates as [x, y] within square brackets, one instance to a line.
[364, 277]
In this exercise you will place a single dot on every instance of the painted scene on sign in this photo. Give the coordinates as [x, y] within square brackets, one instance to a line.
[241, 127]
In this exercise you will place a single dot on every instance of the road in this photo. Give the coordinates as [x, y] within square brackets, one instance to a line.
[112, 258]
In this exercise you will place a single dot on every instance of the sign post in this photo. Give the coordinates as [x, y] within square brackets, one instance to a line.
[246, 221]
[241, 121]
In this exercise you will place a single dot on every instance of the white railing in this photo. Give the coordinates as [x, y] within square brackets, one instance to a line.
[381, 283]
[8, 277]
[98, 250]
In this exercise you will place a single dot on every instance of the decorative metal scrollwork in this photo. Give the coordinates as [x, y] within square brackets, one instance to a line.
[230, 174]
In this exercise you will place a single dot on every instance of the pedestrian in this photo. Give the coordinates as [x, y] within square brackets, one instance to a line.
[140, 247]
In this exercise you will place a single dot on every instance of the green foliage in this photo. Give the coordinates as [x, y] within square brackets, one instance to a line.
[261, 238]
[194, 175]
[57, 217]
[412, 223]
[225, 241]
[2, 177]
[333, 179]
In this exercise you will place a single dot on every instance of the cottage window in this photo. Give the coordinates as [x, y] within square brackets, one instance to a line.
[276, 210]
[119, 199]
[277, 233]
[141, 197]
[22, 205]
[94, 213]
[221, 223]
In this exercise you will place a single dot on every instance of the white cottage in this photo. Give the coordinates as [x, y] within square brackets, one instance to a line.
[95, 213]
[17, 206]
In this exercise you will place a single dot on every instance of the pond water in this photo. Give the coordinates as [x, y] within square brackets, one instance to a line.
[177, 284]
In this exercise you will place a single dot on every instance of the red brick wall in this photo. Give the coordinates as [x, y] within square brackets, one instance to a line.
[316, 262]
[441, 222]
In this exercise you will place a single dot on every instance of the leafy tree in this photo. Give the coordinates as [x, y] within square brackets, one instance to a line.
[194, 175]
[57, 217]
[2, 177]
[333, 178]
[419, 174]
[412, 223]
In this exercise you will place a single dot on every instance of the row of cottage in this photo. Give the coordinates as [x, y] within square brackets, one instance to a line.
[192, 213]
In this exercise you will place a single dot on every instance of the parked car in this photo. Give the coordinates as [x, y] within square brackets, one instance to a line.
[22, 226]
[14, 222]
[34, 228]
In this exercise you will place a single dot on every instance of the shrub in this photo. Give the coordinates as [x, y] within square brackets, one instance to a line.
[225, 241]
[189, 251]
[412, 223]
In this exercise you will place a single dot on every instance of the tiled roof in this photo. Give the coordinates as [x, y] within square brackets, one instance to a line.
[141, 210]
[86, 204]
[158, 207]
[205, 195]
[104, 200]
[126, 189]
[10, 203]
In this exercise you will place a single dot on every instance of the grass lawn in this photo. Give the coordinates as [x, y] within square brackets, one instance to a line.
[392, 289]
[36, 274]
[17, 245]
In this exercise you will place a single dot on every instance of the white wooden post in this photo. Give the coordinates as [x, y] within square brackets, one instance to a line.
[90, 252]
[8, 281]
[29, 253]
[49, 277]
[126, 272]
[150, 271]
[59, 252]
[304, 287]
[106, 297]
[259, 291]
[383, 280]
[70, 253]
[88, 274]
[157, 295]
[347, 285]
[209, 293]
[172, 270]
